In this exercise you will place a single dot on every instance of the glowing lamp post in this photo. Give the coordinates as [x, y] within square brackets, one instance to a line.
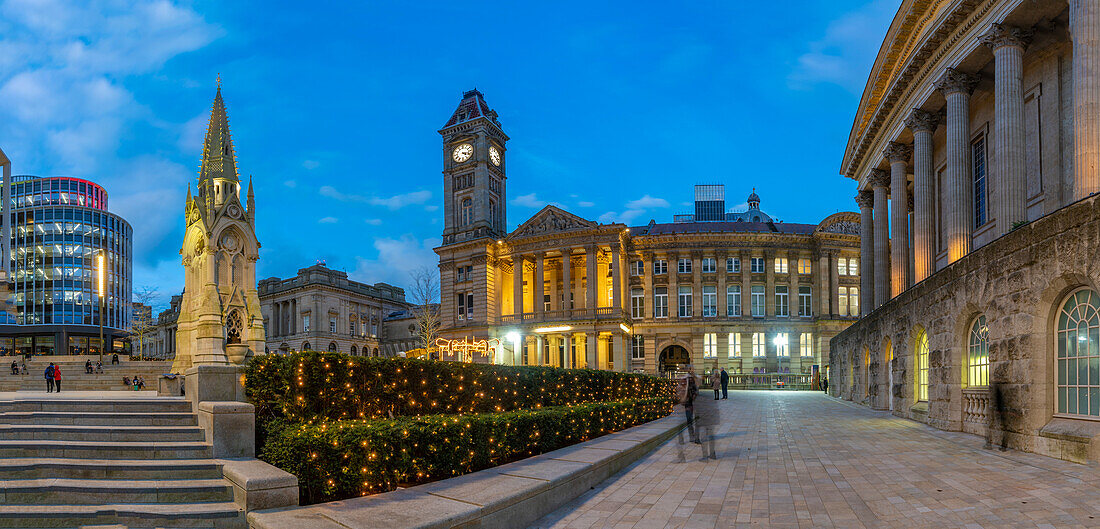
[101, 287]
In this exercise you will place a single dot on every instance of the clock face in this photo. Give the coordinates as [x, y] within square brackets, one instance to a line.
[494, 156]
[463, 152]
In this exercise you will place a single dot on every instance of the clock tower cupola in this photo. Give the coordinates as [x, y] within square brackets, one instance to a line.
[474, 181]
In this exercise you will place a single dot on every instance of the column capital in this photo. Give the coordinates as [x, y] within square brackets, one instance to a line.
[897, 152]
[1000, 36]
[953, 81]
[880, 178]
[865, 199]
[922, 121]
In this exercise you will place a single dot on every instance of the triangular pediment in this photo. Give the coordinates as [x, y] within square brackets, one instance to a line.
[551, 219]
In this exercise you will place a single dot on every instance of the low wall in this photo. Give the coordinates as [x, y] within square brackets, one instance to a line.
[1018, 282]
[507, 496]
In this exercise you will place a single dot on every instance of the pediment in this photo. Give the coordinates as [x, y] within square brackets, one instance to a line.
[551, 219]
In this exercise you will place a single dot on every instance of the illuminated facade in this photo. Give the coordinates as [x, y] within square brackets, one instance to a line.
[56, 227]
[976, 147]
[743, 292]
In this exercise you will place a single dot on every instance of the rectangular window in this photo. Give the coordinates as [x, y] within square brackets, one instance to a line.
[685, 302]
[710, 301]
[842, 294]
[460, 298]
[781, 301]
[351, 327]
[710, 345]
[734, 345]
[546, 302]
[781, 265]
[660, 266]
[804, 266]
[758, 265]
[469, 308]
[332, 325]
[733, 300]
[853, 266]
[757, 301]
[637, 347]
[806, 344]
[683, 266]
[305, 323]
[660, 302]
[782, 346]
[853, 301]
[637, 268]
[758, 345]
[710, 266]
[637, 303]
[733, 264]
[842, 266]
[980, 202]
[460, 274]
[805, 301]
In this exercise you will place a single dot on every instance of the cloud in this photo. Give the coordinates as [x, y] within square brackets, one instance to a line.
[585, 204]
[528, 201]
[647, 202]
[373, 222]
[846, 52]
[396, 259]
[291, 184]
[626, 217]
[393, 203]
[431, 207]
[311, 164]
[328, 220]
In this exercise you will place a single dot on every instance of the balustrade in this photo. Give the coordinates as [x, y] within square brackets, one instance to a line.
[976, 408]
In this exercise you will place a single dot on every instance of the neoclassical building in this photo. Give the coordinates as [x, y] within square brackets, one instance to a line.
[738, 290]
[976, 147]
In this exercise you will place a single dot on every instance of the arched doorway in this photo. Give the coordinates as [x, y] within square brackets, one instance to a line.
[674, 358]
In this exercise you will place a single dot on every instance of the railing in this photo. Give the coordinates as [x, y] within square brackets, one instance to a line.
[796, 381]
[601, 313]
[975, 410]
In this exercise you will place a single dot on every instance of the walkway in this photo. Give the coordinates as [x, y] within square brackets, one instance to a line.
[788, 459]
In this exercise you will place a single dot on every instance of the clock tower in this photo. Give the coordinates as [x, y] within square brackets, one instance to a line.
[473, 172]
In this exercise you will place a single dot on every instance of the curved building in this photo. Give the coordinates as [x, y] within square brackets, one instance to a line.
[57, 226]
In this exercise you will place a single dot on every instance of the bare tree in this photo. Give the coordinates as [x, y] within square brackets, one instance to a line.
[143, 322]
[424, 296]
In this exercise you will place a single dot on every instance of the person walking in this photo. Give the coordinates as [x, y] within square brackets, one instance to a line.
[49, 378]
[57, 378]
[824, 384]
[689, 390]
[725, 378]
[996, 412]
[714, 381]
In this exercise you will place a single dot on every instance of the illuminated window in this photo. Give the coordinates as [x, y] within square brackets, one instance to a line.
[781, 265]
[685, 302]
[853, 266]
[758, 345]
[1078, 345]
[710, 301]
[922, 365]
[977, 354]
[660, 302]
[757, 295]
[710, 345]
[734, 344]
[842, 266]
[710, 266]
[804, 266]
[782, 308]
[842, 294]
[733, 300]
[806, 344]
[782, 345]
[733, 264]
[853, 301]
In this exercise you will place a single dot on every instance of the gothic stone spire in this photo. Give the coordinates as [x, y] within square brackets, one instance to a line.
[218, 158]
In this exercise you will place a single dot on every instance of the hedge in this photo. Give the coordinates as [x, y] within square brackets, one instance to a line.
[342, 459]
[310, 386]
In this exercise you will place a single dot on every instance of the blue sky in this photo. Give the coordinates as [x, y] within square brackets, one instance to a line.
[614, 111]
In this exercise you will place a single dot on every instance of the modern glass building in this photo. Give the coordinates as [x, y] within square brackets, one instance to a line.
[57, 228]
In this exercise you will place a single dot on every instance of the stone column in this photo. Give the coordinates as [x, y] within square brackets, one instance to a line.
[824, 289]
[769, 283]
[898, 156]
[537, 293]
[591, 350]
[673, 287]
[566, 280]
[834, 283]
[880, 182]
[275, 321]
[592, 281]
[1009, 161]
[540, 347]
[517, 286]
[616, 278]
[923, 124]
[746, 283]
[956, 87]
[865, 200]
[720, 262]
[622, 355]
[647, 285]
[1084, 31]
[696, 285]
[793, 301]
[294, 316]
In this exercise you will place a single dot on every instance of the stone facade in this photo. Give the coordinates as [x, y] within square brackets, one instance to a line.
[996, 101]
[321, 309]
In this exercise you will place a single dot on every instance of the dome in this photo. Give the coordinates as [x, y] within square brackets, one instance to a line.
[754, 199]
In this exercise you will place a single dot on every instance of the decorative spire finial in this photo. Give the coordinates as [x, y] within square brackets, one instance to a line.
[219, 80]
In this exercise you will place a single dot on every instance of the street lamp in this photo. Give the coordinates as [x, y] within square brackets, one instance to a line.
[101, 269]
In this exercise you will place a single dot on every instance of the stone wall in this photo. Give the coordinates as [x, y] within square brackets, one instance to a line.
[1018, 282]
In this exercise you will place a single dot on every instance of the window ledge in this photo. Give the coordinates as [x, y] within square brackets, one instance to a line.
[920, 407]
[1065, 429]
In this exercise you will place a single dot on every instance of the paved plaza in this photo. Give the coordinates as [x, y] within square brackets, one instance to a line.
[788, 459]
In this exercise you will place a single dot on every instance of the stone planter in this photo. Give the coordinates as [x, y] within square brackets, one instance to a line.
[237, 353]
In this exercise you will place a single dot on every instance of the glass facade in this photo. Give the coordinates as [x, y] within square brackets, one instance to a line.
[59, 226]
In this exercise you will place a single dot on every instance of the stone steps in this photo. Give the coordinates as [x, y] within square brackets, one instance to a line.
[220, 515]
[135, 469]
[141, 404]
[72, 491]
[99, 418]
[65, 432]
[104, 450]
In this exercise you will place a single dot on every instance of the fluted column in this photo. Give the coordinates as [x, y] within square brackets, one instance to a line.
[956, 87]
[517, 286]
[865, 199]
[647, 285]
[592, 280]
[898, 156]
[923, 124]
[566, 280]
[834, 283]
[616, 279]
[880, 183]
[537, 293]
[1009, 160]
[1084, 31]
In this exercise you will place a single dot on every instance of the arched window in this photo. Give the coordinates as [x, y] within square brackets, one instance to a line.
[305, 347]
[1077, 341]
[492, 213]
[466, 212]
[354, 350]
[233, 326]
[921, 359]
[375, 351]
[332, 347]
[977, 354]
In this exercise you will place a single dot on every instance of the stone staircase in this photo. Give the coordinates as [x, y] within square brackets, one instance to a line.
[73, 377]
[95, 459]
